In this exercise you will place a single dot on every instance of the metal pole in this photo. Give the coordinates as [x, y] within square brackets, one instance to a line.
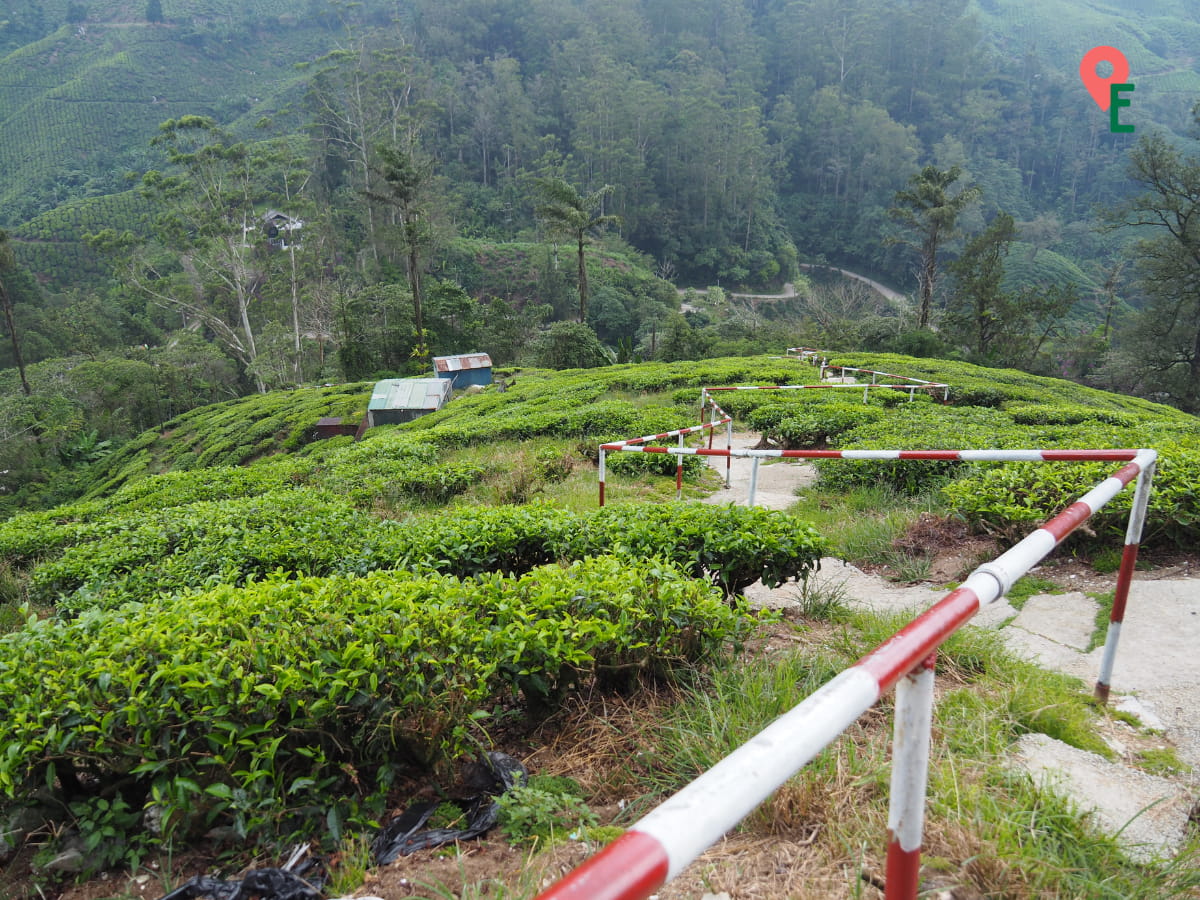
[601, 476]
[1133, 538]
[679, 472]
[729, 447]
[753, 480]
[910, 777]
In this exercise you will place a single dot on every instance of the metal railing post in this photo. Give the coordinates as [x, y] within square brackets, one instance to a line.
[679, 473]
[729, 447]
[659, 845]
[601, 476]
[910, 777]
[753, 481]
[1133, 538]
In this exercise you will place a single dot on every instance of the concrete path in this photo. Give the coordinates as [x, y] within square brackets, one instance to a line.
[894, 296]
[1156, 676]
[778, 479]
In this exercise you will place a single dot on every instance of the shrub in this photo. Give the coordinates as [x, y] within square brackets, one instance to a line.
[912, 427]
[1047, 414]
[140, 557]
[824, 422]
[276, 705]
[1011, 498]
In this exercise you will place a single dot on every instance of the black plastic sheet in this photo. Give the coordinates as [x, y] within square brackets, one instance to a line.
[264, 884]
[406, 834]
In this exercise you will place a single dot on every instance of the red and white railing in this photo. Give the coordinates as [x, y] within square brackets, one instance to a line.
[638, 444]
[866, 387]
[907, 383]
[810, 355]
[671, 836]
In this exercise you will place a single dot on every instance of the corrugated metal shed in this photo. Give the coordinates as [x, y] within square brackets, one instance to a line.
[465, 369]
[397, 400]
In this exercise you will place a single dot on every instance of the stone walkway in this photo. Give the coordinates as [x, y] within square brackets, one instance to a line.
[1156, 676]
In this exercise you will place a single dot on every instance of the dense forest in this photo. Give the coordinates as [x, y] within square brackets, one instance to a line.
[203, 199]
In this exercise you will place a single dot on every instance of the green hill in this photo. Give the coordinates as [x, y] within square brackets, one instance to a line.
[348, 617]
[1161, 41]
[78, 109]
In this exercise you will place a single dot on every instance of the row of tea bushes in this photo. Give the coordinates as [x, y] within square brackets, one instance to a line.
[579, 404]
[1002, 409]
[141, 556]
[1014, 498]
[284, 701]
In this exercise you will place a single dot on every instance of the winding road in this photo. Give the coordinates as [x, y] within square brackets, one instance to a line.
[789, 289]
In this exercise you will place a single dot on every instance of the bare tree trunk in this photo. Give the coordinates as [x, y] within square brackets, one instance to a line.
[12, 333]
[414, 281]
[583, 284]
[295, 318]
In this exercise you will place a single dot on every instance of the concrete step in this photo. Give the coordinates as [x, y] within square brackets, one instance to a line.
[1148, 815]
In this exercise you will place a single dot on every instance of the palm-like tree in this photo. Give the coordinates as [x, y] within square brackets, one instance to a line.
[567, 213]
[928, 210]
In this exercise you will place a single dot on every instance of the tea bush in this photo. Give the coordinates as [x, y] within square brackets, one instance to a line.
[734, 546]
[229, 433]
[141, 556]
[1014, 498]
[731, 546]
[917, 426]
[1068, 414]
[1009, 386]
[1014, 410]
[820, 425]
[281, 703]
[215, 542]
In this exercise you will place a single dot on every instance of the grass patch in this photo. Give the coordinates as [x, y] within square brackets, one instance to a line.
[996, 829]
[864, 523]
[1104, 605]
[1162, 761]
[1030, 586]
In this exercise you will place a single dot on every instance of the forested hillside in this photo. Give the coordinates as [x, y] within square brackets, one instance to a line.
[729, 136]
[454, 175]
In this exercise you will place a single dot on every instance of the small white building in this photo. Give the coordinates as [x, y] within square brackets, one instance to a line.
[282, 231]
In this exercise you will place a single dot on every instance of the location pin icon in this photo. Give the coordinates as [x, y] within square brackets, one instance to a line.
[1097, 86]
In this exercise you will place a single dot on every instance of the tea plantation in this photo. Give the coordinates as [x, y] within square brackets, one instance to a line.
[241, 626]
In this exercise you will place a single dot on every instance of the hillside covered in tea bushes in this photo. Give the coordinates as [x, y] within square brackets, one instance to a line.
[246, 628]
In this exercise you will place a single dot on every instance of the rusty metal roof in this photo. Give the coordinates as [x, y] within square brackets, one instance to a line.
[463, 361]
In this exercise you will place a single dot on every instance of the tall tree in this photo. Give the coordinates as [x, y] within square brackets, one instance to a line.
[361, 96]
[569, 214]
[928, 211]
[8, 263]
[979, 309]
[406, 179]
[1167, 332]
[209, 201]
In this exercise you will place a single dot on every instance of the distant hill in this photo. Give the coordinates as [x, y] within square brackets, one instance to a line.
[79, 106]
[84, 85]
[1159, 38]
